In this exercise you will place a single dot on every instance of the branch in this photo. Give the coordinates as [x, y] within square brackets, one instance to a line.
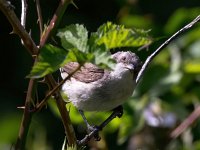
[186, 123]
[40, 20]
[18, 28]
[54, 90]
[69, 131]
[166, 43]
[23, 13]
[30, 46]
[55, 20]
[27, 116]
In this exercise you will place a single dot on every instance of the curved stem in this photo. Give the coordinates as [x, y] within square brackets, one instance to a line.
[166, 43]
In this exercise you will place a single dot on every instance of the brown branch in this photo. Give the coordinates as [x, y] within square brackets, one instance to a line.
[27, 116]
[18, 28]
[69, 130]
[55, 20]
[33, 50]
[186, 123]
[54, 90]
[40, 20]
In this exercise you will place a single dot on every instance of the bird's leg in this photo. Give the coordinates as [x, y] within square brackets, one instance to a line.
[94, 130]
[90, 128]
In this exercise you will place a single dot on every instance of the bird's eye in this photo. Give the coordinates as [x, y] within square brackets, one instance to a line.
[123, 58]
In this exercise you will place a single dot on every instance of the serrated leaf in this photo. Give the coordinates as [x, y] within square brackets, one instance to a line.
[74, 37]
[116, 36]
[78, 56]
[50, 59]
[103, 59]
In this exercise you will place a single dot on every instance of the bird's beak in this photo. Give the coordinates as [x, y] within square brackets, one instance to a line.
[130, 67]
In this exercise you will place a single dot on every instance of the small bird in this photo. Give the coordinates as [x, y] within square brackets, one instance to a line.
[94, 89]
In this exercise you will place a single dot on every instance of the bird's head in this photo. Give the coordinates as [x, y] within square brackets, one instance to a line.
[128, 60]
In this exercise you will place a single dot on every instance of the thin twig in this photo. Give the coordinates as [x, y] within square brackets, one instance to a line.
[70, 134]
[7, 9]
[18, 28]
[23, 13]
[39, 13]
[166, 43]
[69, 130]
[186, 123]
[27, 116]
[54, 90]
[55, 20]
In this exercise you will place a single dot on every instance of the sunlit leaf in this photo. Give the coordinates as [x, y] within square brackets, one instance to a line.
[74, 39]
[103, 59]
[78, 56]
[50, 59]
[116, 36]
[74, 36]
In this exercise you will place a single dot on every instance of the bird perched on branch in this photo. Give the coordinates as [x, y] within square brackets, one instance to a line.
[94, 89]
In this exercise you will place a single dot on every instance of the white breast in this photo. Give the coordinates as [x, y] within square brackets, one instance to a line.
[101, 95]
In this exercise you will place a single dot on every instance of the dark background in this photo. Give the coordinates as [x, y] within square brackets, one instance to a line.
[162, 17]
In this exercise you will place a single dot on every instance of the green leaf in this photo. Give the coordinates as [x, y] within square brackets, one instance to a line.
[50, 59]
[78, 56]
[116, 36]
[103, 59]
[74, 37]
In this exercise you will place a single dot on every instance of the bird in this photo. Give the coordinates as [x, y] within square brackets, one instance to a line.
[92, 88]
[95, 89]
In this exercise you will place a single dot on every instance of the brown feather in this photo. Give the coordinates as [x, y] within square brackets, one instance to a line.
[87, 73]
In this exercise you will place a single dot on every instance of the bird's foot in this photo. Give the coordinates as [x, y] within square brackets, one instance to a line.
[95, 130]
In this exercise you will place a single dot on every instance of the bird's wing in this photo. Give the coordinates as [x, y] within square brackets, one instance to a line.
[87, 73]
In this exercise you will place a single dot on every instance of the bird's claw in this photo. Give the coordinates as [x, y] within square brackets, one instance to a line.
[96, 130]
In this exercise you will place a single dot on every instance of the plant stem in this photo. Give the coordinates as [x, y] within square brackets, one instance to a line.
[55, 20]
[40, 20]
[27, 116]
[54, 90]
[18, 28]
[186, 123]
[30, 46]
[165, 44]
[69, 131]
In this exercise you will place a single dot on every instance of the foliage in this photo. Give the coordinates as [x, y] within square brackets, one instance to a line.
[170, 85]
[78, 47]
